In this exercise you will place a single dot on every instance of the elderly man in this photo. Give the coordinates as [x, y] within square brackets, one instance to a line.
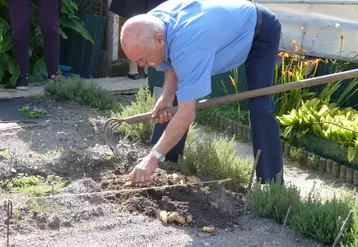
[193, 40]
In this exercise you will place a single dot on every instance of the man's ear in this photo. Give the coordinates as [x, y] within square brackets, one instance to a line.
[159, 37]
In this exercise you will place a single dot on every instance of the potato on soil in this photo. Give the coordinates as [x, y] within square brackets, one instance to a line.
[176, 217]
[164, 217]
[189, 219]
[193, 179]
[209, 229]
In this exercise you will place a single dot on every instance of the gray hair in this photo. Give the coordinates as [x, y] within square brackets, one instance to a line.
[150, 25]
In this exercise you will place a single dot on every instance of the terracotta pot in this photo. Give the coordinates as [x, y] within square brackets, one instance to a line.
[329, 164]
[355, 177]
[335, 169]
[349, 175]
[322, 165]
[286, 152]
[343, 172]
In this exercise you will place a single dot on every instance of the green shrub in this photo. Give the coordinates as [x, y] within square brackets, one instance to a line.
[319, 220]
[144, 102]
[314, 218]
[273, 200]
[83, 91]
[216, 159]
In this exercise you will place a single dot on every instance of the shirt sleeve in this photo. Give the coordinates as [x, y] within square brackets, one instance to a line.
[164, 66]
[193, 68]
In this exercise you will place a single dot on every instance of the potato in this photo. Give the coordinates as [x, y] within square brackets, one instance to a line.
[209, 229]
[193, 179]
[128, 184]
[182, 182]
[205, 189]
[164, 217]
[189, 219]
[176, 217]
[177, 177]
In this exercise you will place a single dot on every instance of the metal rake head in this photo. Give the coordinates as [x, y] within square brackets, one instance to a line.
[110, 126]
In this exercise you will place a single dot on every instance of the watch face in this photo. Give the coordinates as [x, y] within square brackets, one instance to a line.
[162, 158]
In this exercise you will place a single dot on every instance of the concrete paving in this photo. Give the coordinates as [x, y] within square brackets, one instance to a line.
[115, 85]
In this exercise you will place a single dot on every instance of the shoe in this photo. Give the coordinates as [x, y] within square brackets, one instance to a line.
[54, 78]
[135, 76]
[22, 82]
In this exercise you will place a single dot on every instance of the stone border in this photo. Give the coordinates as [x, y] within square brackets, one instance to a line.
[325, 166]
[308, 159]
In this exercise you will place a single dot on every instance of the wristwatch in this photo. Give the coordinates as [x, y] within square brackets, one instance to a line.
[159, 156]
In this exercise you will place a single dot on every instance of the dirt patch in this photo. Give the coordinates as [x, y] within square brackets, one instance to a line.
[209, 204]
[81, 215]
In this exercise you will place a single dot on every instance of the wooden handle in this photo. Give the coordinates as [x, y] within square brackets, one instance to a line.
[253, 93]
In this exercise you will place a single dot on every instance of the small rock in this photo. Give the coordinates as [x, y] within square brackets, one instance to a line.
[100, 211]
[55, 223]
[42, 226]
[12, 170]
[67, 223]
[206, 244]
[85, 215]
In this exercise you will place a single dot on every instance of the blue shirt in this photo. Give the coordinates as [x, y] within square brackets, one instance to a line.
[204, 38]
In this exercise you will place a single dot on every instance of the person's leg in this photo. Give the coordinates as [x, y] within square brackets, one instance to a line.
[20, 32]
[49, 13]
[133, 70]
[178, 149]
[260, 67]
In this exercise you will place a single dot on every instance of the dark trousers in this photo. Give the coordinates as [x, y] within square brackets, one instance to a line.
[260, 66]
[178, 149]
[49, 15]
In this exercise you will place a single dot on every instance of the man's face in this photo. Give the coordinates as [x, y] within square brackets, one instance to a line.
[152, 54]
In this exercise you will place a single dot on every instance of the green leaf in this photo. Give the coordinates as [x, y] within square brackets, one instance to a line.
[62, 33]
[287, 131]
[77, 25]
[352, 152]
[4, 26]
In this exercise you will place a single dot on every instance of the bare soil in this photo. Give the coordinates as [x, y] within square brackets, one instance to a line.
[71, 145]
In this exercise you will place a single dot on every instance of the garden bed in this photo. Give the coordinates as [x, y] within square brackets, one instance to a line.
[57, 175]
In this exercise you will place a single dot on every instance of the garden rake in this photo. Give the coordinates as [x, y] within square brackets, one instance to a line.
[112, 124]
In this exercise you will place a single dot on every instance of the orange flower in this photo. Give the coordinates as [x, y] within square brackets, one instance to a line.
[298, 48]
[316, 61]
[294, 42]
[290, 73]
[303, 29]
[283, 72]
[281, 54]
[233, 82]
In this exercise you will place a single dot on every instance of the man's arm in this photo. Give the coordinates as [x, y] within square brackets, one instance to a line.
[170, 84]
[177, 126]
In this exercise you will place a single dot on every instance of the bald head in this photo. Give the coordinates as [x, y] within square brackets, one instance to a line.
[141, 35]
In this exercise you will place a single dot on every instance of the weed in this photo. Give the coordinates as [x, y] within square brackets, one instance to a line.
[33, 113]
[4, 153]
[38, 205]
[297, 154]
[83, 91]
[35, 184]
[17, 213]
[143, 103]
[216, 159]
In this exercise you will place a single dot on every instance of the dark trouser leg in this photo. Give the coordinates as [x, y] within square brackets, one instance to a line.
[49, 11]
[260, 67]
[178, 149]
[20, 28]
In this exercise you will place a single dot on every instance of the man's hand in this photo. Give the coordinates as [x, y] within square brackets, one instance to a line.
[162, 103]
[143, 171]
